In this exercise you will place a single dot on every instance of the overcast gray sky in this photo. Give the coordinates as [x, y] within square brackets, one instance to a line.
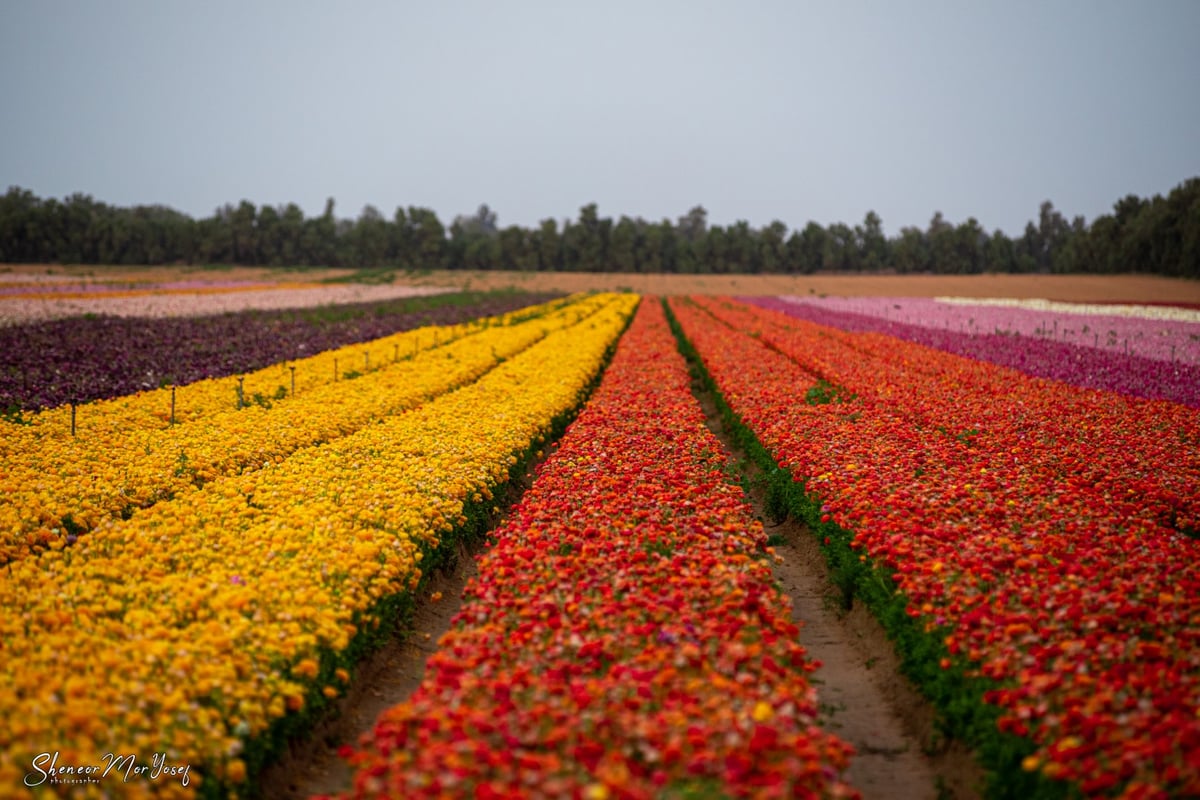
[756, 110]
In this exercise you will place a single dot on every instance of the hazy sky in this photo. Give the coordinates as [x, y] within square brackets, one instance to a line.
[756, 110]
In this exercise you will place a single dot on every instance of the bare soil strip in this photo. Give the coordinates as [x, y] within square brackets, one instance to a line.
[864, 698]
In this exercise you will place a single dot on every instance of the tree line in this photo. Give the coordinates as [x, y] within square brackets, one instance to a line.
[1159, 235]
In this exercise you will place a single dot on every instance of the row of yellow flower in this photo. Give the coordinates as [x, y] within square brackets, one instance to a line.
[55, 486]
[190, 628]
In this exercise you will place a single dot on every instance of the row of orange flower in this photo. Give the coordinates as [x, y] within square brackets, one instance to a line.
[126, 454]
[1040, 529]
[624, 637]
[194, 627]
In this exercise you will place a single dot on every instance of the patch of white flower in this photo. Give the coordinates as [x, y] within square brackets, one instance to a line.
[1171, 313]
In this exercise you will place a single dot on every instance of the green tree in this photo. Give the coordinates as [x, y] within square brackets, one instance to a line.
[549, 249]
[400, 245]
[517, 249]
[910, 251]
[270, 237]
[969, 241]
[623, 246]
[369, 238]
[242, 221]
[943, 245]
[772, 248]
[742, 249]
[841, 249]
[648, 247]
[872, 244]
[290, 235]
[691, 248]
[585, 243]
[429, 238]
[809, 252]
[999, 254]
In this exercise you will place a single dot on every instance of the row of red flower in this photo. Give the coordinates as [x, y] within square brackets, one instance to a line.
[1037, 527]
[624, 637]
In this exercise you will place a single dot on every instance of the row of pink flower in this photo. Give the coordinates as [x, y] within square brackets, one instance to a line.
[624, 638]
[1163, 359]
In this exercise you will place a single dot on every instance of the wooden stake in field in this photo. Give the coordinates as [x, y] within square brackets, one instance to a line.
[172, 405]
[241, 394]
[293, 369]
[335, 371]
[72, 418]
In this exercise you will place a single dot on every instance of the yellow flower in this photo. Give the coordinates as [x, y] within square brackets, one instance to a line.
[307, 668]
[235, 771]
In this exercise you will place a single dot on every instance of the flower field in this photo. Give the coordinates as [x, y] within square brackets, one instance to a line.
[1046, 534]
[624, 638]
[196, 569]
[202, 625]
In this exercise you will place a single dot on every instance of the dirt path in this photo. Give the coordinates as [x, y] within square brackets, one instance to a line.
[864, 698]
[856, 702]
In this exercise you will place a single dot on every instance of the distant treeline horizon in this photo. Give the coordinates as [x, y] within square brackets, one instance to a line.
[1158, 235]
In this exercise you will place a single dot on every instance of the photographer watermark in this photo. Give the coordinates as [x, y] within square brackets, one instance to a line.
[50, 770]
